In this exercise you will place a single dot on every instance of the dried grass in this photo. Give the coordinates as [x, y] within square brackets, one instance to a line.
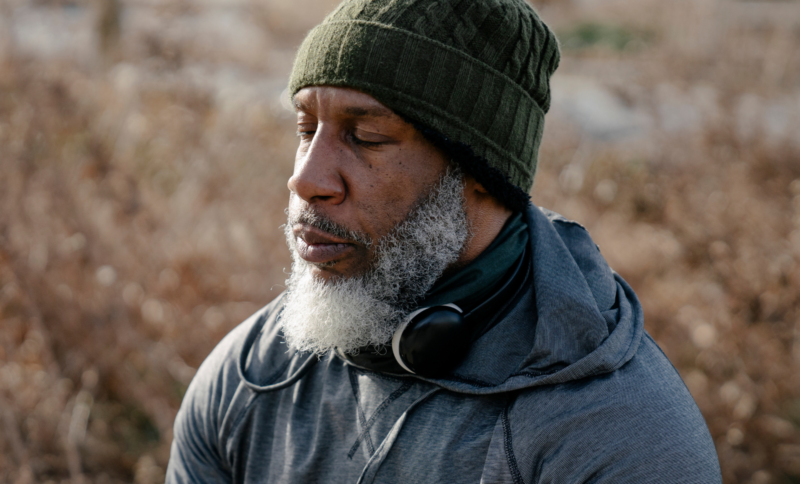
[140, 207]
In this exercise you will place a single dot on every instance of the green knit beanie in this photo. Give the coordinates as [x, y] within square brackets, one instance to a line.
[476, 72]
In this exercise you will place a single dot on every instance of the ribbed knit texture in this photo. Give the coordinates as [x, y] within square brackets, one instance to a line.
[476, 71]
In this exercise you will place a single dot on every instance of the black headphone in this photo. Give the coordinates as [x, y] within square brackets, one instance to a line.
[432, 341]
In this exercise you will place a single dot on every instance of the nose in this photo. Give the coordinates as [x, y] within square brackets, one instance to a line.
[316, 176]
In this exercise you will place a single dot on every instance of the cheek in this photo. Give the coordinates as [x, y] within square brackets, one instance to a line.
[380, 216]
[386, 187]
[387, 204]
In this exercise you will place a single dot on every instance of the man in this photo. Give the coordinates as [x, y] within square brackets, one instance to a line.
[437, 327]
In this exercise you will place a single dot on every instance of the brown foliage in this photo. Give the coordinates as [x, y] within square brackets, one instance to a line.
[140, 209]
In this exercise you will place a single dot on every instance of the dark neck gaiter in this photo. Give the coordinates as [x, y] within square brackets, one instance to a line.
[467, 287]
[471, 284]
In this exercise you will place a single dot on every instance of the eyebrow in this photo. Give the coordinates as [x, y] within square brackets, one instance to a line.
[367, 112]
[300, 106]
[371, 112]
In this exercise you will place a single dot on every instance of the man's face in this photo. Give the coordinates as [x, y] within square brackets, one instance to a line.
[360, 166]
[375, 218]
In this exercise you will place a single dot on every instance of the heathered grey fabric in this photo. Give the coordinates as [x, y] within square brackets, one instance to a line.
[567, 388]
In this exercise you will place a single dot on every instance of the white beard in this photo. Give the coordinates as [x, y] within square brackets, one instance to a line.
[351, 313]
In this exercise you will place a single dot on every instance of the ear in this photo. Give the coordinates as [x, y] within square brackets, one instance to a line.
[471, 185]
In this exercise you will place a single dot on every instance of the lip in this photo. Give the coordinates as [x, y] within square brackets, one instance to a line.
[318, 247]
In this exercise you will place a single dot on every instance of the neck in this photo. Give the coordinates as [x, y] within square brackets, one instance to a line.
[486, 216]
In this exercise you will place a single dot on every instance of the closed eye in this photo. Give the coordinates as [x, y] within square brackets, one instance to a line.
[368, 138]
[365, 143]
[305, 134]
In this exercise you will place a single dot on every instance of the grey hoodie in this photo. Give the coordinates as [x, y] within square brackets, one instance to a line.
[566, 388]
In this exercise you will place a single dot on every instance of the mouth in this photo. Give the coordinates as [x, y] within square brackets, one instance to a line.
[319, 247]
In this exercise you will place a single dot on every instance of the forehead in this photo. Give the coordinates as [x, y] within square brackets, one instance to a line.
[341, 101]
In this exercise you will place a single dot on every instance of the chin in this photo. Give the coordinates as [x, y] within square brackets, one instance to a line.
[337, 270]
[326, 272]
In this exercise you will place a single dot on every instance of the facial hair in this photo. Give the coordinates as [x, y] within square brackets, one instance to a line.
[350, 313]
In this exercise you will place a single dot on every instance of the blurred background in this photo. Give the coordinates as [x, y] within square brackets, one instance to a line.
[144, 153]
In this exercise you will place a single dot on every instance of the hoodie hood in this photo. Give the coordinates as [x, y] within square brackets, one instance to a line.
[574, 319]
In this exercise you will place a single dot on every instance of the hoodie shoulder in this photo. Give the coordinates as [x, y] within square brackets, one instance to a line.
[587, 255]
[198, 452]
[637, 424]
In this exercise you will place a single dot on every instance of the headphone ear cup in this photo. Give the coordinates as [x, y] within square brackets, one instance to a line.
[433, 343]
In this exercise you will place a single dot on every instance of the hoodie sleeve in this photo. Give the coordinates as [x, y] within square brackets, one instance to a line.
[194, 455]
[197, 455]
[638, 424]
[198, 452]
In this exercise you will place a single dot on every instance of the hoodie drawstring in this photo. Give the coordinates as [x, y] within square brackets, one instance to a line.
[374, 463]
[248, 343]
